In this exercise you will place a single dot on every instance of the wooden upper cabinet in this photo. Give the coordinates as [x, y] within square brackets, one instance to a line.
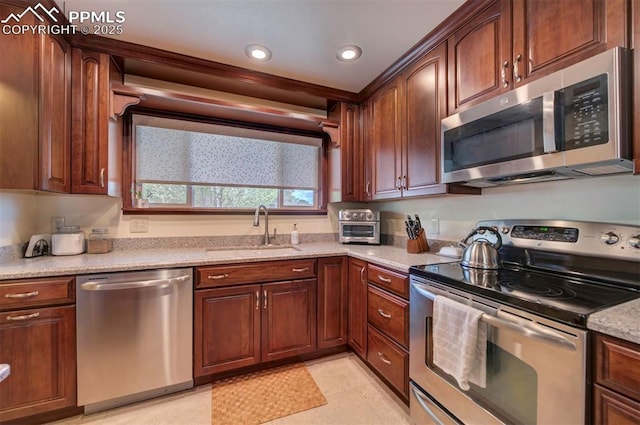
[513, 42]
[479, 57]
[385, 146]
[351, 158]
[90, 129]
[425, 105]
[544, 41]
[55, 114]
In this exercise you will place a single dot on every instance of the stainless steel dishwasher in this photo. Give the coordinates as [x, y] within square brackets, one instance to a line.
[134, 335]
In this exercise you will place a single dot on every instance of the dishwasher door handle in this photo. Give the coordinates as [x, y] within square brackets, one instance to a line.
[156, 283]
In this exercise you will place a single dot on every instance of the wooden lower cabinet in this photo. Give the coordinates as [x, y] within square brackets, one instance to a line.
[40, 346]
[243, 325]
[389, 359]
[357, 312]
[227, 328]
[616, 393]
[288, 319]
[332, 301]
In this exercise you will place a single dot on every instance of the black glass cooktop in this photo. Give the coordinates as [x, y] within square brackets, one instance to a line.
[558, 297]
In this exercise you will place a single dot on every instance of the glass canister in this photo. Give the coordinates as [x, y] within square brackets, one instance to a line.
[98, 241]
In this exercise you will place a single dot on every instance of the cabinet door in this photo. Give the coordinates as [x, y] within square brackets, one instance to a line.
[55, 122]
[366, 132]
[611, 408]
[544, 42]
[357, 313]
[425, 105]
[288, 319]
[19, 104]
[90, 129]
[385, 143]
[40, 346]
[332, 301]
[352, 172]
[479, 57]
[227, 328]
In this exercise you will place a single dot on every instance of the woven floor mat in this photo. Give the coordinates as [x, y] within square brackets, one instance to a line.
[262, 396]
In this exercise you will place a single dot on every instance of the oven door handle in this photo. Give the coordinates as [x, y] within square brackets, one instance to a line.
[422, 402]
[544, 335]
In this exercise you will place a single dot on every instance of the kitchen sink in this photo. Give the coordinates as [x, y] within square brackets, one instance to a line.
[255, 249]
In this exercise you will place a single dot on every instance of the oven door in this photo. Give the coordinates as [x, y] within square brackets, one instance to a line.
[536, 368]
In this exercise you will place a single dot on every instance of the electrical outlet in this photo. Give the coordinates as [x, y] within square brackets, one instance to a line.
[139, 225]
[55, 223]
[434, 226]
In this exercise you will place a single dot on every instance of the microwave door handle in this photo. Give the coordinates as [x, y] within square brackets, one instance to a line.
[549, 122]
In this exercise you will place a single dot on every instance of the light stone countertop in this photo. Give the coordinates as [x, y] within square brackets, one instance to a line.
[622, 321]
[126, 260]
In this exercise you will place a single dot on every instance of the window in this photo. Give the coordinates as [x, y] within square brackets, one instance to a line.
[182, 164]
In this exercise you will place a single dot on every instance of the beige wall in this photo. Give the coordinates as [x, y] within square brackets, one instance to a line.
[607, 199]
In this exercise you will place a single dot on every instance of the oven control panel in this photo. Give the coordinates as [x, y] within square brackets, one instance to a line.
[578, 237]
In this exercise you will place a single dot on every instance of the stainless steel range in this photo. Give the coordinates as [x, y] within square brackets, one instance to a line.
[533, 313]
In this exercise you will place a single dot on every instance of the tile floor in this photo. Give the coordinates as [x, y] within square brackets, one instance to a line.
[354, 395]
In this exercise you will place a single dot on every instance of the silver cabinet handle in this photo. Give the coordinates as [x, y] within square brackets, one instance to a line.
[24, 317]
[218, 276]
[404, 183]
[383, 314]
[23, 295]
[102, 177]
[157, 283]
[505, 65]
[366, 188]
[399, 183]
[384, 279]
[264, 294]
[305, 269]
[384, 358]
[257, 300]
[516, 69]
[362, 276]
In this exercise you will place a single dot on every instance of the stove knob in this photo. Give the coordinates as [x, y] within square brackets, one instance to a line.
[369, 216]
[347, 215]
[634, 241]
[609, 238]
[504, 230]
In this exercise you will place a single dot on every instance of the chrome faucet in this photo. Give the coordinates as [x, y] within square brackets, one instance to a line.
[256, 222]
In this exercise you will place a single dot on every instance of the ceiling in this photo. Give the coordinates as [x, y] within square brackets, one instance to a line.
[303, 35]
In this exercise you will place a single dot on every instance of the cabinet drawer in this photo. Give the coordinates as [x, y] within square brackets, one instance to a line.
[390, 360]
[611, 408]
[617, 365]
[397, 283]
[389, 314]
[36, 292]
[267, 271]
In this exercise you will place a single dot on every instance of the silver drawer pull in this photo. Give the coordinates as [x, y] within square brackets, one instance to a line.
[383, 314]
[25, 317]
[218, 276]
[23, 295]
[305, 269]
[257, 300]
[384, 279]
[384, 358]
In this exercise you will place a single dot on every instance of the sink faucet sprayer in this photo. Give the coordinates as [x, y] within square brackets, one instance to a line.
[256, 222]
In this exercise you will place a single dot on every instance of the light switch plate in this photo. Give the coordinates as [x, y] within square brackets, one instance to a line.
[139, 225]
[434, 227]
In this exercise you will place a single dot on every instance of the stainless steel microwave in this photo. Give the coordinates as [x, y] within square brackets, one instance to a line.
[572, 123]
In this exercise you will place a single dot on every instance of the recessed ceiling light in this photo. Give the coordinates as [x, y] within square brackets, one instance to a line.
[349, 53]
[258, 52]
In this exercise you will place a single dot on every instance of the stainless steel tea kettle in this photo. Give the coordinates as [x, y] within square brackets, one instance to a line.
[481, 254]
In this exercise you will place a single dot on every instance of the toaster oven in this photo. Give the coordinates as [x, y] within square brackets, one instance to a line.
[359, 226]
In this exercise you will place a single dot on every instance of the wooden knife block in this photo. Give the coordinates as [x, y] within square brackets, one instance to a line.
[418, 245]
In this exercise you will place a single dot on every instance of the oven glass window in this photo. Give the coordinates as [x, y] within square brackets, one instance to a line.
[358, 230]
[510, 134]
[511, 390]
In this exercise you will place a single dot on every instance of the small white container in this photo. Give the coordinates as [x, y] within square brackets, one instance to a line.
[295, 240]
[68, 240]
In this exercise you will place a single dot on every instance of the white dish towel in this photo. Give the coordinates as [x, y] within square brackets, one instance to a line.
[460, 342]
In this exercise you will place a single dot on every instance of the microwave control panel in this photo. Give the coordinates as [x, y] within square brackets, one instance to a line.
[586, 113]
